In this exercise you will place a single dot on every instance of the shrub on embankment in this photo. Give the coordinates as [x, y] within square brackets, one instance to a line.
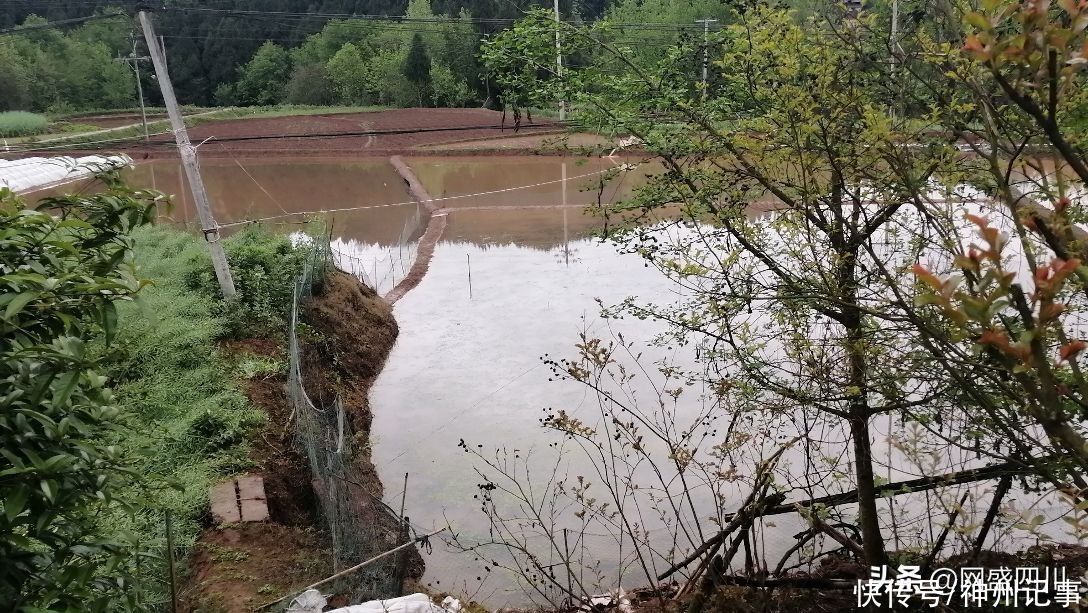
[264, 266]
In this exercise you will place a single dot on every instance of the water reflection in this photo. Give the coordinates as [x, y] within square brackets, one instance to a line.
[467, 365]
[249, 189]
[589, 181]
[516, 277]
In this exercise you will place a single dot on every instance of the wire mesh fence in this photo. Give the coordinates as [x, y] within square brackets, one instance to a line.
[381, 267]
[359, 526]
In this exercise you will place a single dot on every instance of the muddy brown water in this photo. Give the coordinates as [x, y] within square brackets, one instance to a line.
[283, 189]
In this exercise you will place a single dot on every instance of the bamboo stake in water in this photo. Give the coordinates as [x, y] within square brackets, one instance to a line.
[403, 495]
[468, 260]
[566, 241]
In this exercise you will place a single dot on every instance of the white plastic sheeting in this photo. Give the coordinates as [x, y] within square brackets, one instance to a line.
[36, 173]
[311, 601]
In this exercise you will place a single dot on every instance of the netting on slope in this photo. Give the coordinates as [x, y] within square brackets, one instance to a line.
[358, 526]
[381, 267]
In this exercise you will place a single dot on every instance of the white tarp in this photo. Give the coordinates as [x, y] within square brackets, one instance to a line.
[311, 601]
[30, 174]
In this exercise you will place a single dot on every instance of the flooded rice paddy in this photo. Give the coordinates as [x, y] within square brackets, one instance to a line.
[517, 275]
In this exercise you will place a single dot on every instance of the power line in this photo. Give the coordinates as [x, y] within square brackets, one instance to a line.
[229, 139]
[411, 202]
[59, 23]
[406, 19]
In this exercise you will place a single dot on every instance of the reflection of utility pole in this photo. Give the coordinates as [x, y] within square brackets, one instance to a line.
[188, 159]
[706, 49]
[133, 61]
[559, 61]
[566, 240]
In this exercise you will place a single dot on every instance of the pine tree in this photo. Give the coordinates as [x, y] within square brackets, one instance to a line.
[417, 67]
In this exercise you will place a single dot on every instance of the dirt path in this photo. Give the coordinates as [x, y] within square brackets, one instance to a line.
[436, 226]
[150, 121]
[373, 133]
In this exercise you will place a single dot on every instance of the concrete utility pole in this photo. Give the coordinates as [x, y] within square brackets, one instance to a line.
[559, 61]
[133, 61]
[706, 49]
[188, 159]
[895, 46]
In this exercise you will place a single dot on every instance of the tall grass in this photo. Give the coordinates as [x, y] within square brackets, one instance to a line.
[264, 266]
[182, 398]
[22, 123]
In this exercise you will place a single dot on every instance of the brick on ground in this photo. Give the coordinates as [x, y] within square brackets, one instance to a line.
[251, 498]
[225, 503]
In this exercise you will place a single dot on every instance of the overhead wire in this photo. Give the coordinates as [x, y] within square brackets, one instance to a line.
[407, 19]
[411, 202]
[57, 24]
[229, 139]
[347, 18]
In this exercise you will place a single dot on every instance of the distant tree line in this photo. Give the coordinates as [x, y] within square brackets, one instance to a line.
[366, 62]
[207, 50]
[50, 70]
[218, 55]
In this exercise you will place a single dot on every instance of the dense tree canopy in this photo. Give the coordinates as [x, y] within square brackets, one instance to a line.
[208, 46]
[52, 70]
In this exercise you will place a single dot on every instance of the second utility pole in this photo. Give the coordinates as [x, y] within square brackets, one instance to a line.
[559, 61]
[133, 62]
[188, 159]
[706, 49]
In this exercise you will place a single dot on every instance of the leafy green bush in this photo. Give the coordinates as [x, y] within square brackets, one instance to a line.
[61, 279]
[265, 266]
[22, 123]
[117, 407]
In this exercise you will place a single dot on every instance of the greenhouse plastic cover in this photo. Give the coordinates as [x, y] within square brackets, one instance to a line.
[29, 174]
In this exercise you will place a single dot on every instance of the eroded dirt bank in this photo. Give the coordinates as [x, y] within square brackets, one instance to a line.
[350, 332]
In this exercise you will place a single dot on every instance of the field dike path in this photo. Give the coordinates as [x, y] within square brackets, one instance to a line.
[436, 226]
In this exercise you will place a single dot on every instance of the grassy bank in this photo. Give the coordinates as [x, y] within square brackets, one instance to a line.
[189, 421]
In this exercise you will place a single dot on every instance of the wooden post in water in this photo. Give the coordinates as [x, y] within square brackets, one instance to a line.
[402, 557]
[566, 242]
[468, 260]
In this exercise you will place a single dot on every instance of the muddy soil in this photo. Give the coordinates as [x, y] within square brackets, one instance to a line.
[238, 567]
[353, 333]
[373, 133]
